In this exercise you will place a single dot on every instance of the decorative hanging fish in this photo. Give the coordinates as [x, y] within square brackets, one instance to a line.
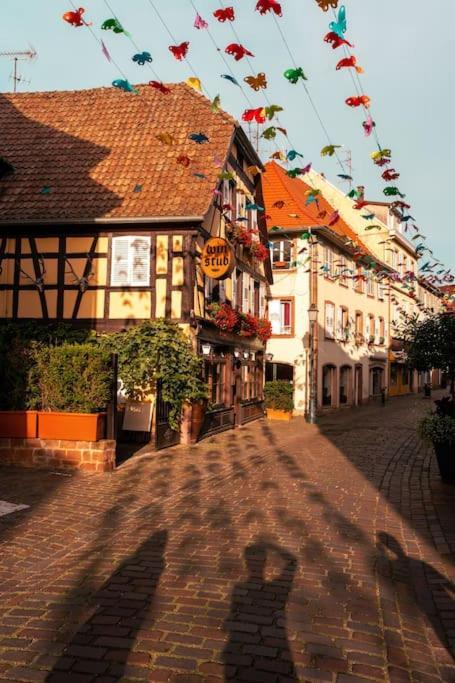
[348, 62]
[230, 78]
[194, 83]
[336, 40]
[269, 133]
[334, 218]
[75, 18]
[264, 6]
[198, 138]
[393, 192]
[183, 160]
[368, 126]
[329, 150]
[306, 169]
[215, 104]
[293, 154]
[325, 4]
[390, 174]
[142, 58]
[257, 115]
[238, 51]
[344, 176]
[293, 75]
[160, 86]
[279, 155]
[380, 154]
[340, 25]
[294, 172]
[113, 25]
[271, 110]
[180, 51]
[257, 82]
[125, 85]
[249, 206]
[369, 216]
[361, 101]
[226, 14]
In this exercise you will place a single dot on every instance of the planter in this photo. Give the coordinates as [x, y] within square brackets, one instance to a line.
[198, 410]
[71, 426]
[445, 455]
[283, 415]
[18, 424]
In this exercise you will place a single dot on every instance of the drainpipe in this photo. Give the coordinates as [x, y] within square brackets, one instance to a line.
[312, 316]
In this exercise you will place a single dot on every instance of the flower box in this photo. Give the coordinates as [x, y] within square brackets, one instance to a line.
[71, 426]
[18, 424]
[275, 414]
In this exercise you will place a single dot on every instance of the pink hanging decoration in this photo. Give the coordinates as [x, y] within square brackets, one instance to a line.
[105, 51]
[368, 126]
[199, 22]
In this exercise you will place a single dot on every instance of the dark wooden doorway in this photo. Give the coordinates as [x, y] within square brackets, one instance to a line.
[165, 436]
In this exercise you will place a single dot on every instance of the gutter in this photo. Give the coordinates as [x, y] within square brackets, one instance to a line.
[104, 221]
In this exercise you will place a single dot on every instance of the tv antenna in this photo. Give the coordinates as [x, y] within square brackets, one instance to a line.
[16, 57]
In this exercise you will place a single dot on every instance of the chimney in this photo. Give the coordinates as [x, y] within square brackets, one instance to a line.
[361, 192]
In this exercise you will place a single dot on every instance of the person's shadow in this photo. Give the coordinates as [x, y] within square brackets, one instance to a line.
[258, 643]
[419, 575]
[120, 608]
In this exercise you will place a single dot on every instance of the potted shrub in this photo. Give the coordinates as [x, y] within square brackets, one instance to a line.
[18, 424]
[75, 384]
[279, 399]
[439, 429]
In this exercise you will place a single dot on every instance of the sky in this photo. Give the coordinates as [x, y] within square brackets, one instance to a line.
[405, 47]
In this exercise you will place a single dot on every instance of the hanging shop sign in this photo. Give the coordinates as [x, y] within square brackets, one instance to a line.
[217, 258]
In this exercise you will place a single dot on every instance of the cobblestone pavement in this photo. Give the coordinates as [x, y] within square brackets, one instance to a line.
[273, 553]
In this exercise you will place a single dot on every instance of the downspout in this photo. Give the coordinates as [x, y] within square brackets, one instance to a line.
[314, 328]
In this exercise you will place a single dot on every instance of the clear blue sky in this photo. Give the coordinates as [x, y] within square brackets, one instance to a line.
[405, 46]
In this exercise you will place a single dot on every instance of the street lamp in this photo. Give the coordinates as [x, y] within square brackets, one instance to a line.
[313, 318]
[269, 357]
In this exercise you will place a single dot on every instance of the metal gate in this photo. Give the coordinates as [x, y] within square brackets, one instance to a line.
[165, 436]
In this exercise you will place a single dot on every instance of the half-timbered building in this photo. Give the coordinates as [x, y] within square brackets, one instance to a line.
[106, 201]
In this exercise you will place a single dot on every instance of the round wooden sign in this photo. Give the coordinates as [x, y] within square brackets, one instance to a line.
[217, 258]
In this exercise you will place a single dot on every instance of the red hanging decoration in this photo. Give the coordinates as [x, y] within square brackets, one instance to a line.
[257, 115]
[390, 174]
[160, 86]
[264, 6]
[224, 14]
[75, 18]
[238, 51]
[335, 40]
[348, 62]
[179, 51]
[362, 101]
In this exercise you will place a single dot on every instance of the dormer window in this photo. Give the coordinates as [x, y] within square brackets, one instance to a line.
[281, 254]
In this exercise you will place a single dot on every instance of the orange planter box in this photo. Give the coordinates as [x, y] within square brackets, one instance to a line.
[284, 415]
[71, 426]
[18, 424]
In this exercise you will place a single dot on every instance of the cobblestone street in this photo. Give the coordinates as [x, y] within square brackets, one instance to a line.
[273, 553]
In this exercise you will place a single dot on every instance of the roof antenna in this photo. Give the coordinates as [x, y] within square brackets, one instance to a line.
[24, 56]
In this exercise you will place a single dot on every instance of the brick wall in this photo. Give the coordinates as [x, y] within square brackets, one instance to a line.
[90, 456]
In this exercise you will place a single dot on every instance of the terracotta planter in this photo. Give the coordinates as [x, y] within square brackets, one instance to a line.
[18, 424]
[445, 454]
[198, 410]
[283, 415]
[71, 426]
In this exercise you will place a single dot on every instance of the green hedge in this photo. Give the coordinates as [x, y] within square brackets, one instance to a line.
[279, 395]
[73, 378]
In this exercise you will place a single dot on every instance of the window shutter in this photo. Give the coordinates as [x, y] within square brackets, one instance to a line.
[120, 261]
[261, 300]
[329, 320]
[222, 291]
[234, 288]
[246, 292]
[275, 315]
[367, 326]
[139, 256]
[251, 296]
[377, 329]
[225, 191]
[340, 323]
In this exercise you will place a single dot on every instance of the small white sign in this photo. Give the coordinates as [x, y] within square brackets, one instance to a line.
[7, 508]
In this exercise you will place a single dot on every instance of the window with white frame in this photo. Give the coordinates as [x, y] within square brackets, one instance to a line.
[130, 261]
[377, 331]
[281, 316]
[281, 254]
[370, 284]
[381, 330]
[328, 259]
[381, 291]
[329, 320]
[240, 203]
[342, 270]
[246, 293]
[229, 198]
[262, 300]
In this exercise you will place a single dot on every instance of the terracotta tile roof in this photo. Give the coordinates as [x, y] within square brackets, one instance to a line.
[81, 155]
[277, 186]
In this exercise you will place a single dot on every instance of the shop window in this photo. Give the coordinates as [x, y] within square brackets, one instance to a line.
[276, 371]
[376, 381]
[394, 375]
[342, 271]
[251, 381]
[404, 375]
[281, 316]
[328, 380]
[282, 254]
[215, 375]
[130, 261]
[345, 384]
[329, 320]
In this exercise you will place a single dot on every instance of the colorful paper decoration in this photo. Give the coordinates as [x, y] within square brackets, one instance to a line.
[390, 174]
[380, 154]
[112, 25]
[223, 15]
[199, 22]
[393, 192]
[340, 25]
[215, 104]
[142, 57]
[344, 176]
[194, 83]
[278, 155]
[230, 78]
[325, 4]
[334, 218]
[257, 115]
[336, 40]
[257, 82]
[368, 126]
[198, 138]
[180, 51]
[238, 51]
[361, 101]
[183, 160]
[293, 75]
[125, 85]
[264, 6]
[165, 138]
[329, 150]
[75, 18]
[348, 62]
[105, 51]
[292, 154]
[160, 86]
[271, 110]
[269, 133]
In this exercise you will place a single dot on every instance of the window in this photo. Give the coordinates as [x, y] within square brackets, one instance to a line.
[345, 385]
[240, 202]
[359, 327]
[248, 297]
[262, 300]
[281, 316]
[130, 261]
[370, 284]
[228, 198]
[215, 376]
[328, 380]
[282, 254]
[329, 320]
[376, 381]
[343, 271]
[251, 381]
[381, 330]
[370, 327]
[381, 291]
[358, 281]
[274, 371]
[328, 259]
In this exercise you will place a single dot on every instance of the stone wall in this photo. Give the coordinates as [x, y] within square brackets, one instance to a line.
[89, 456]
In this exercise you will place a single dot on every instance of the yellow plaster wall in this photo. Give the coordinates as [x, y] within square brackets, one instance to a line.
[130, 304]
[98, 268]
[160, 311]
[162, 254]
[176, 305]
[92, 304]
[178, 275]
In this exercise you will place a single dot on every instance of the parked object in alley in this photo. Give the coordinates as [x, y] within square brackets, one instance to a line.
[439, 429]
[279, 400]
